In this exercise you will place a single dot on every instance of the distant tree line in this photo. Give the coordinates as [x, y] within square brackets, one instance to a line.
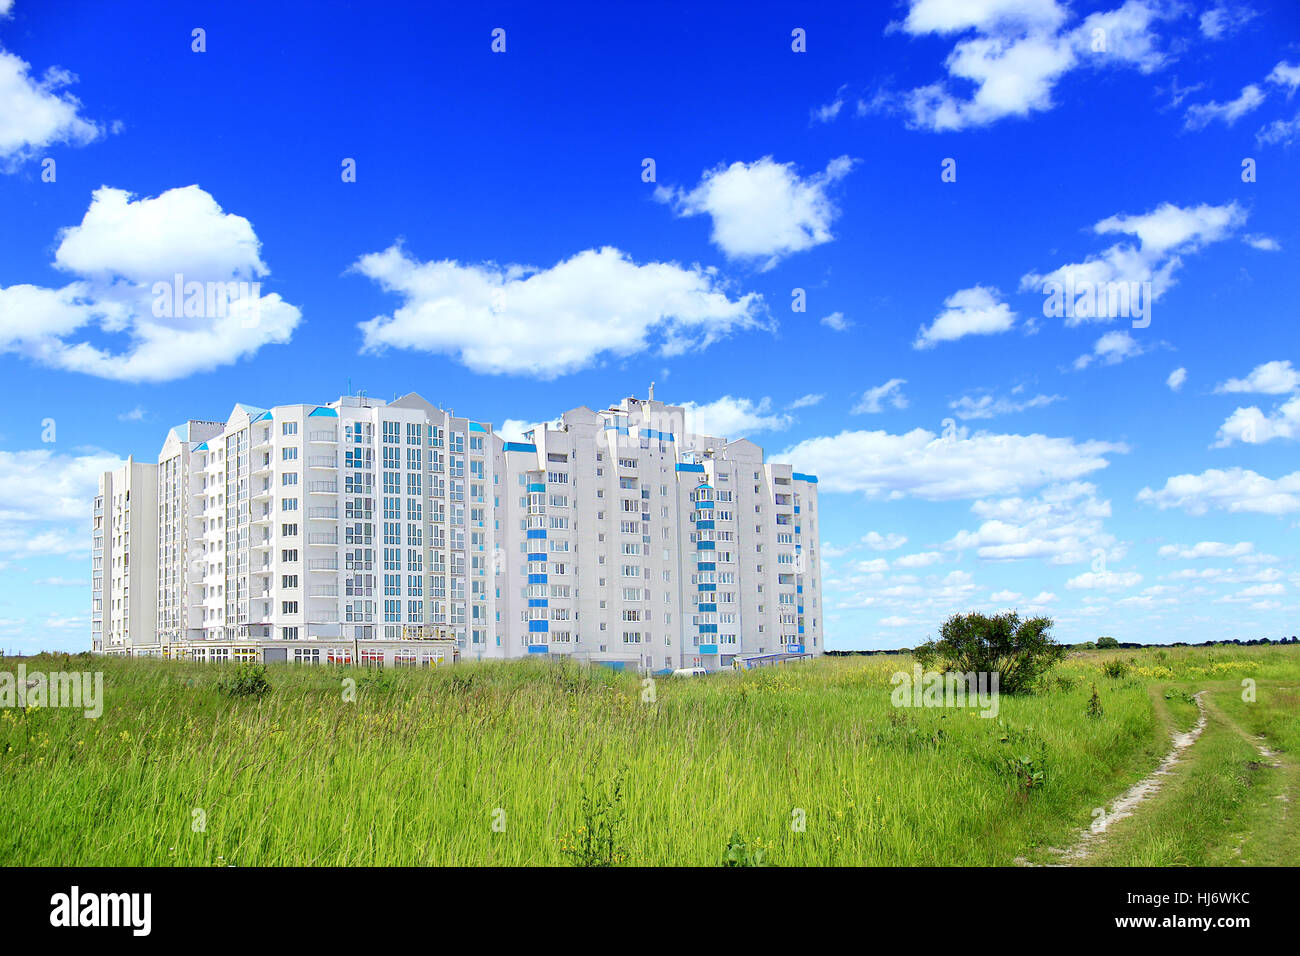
[1103, 643]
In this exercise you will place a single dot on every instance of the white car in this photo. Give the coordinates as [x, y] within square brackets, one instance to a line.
[690, 672]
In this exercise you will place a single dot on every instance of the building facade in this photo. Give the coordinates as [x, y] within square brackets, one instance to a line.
[365, 531]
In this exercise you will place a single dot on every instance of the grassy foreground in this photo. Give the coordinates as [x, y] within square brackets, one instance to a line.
[521, 762]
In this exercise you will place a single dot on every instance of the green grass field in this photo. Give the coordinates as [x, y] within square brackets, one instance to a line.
[520, 763]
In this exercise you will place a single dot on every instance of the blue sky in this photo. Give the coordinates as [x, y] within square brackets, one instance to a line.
[502, 252]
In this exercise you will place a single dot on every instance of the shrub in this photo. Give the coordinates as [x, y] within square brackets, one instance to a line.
[1105, 642]
[738, 853]
[1094, 703]
[246, 680]
[599, 840]
[1116, 668]
[1020, 652]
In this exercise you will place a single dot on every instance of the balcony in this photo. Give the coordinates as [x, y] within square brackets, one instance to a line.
[322, 487]
[322, 461]
[323, 590]
[322, 538]
[323, 436]
[323, 564]
[323, 513]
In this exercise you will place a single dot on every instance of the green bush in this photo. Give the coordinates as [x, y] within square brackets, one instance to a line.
[1116, 668]
[1020, 652]
[738, 853]
[246, 680]
[1107, 642]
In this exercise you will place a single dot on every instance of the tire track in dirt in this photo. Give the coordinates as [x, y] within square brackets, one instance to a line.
[1087, 840]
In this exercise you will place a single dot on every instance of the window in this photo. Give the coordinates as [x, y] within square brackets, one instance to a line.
[289, 607]
[288, 454]
[289, 428]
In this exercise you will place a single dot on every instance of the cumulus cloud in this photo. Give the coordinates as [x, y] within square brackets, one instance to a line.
[1063, 525]
[38, 113]
[504, 319]
[836, 321]
[1176, 379]
[974, 311]
[1104, 580]
[45, 500]
[1111, 349]
[733, 418]
[924, 465]
[1206, 549]
[127, 254]
[1251, 426]
[874, 399]
[884, 542]
[1016, 53]
[806, 401]
[1164, 236]
[1270, 378]
[1234, 490]
[764, 210]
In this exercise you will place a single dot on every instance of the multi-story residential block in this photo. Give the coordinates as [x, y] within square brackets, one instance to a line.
[394, 532]
[124, 570]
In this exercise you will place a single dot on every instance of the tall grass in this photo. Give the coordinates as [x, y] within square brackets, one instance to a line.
[489, 764]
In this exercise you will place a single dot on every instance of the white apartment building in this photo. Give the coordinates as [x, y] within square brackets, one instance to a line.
[394, 532]
[124, 572]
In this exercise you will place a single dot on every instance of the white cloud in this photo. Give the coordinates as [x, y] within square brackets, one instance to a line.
[1206, 549]
[1018, 52]
[1111, 349]
[503, 319]
[37, 112]
[1262, 243]
[1270, 378]
[1234, 490]
[806, 401]
[1200, 115]
[733, 418]
[1164, 236]
[921, 559]
[1104, 580]
[122, 248]
[974, 311]
[1224, 20]
[924, 465]
[874, 399]
[886, 542]
[1063, 525]
[134, 415]
[1176, 379]
[1286, 74]
[986, 406]
[836, 321]
[828, 112]
[763, 211]
[1280, 132]
[45, 500]
[1252, 427]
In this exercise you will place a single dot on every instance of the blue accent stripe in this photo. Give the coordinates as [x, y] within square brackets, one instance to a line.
[688, 467]
[520, 446]
[811, 479]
